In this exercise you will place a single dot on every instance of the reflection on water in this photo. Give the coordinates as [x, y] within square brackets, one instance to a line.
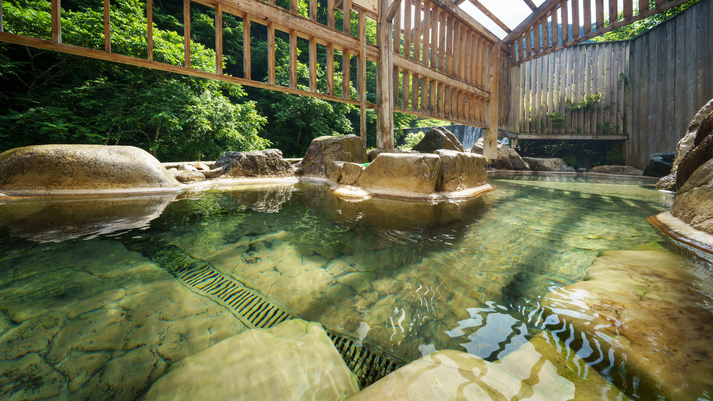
[408, 277]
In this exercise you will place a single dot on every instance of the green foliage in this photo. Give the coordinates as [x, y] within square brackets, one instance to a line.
[412, 140]
[46, 97]
[615, 156]
[571, 160]
[589, 102]
[577, 153]
[606, 128]
[558, 120]
[637, 28]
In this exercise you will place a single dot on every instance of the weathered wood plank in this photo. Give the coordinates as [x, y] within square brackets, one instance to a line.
[442, 38]
[552, 73]
[596, 71]
[536, 40]
[435, 27]
[426, 33]
[56, 21]
[397, 29]
[545, 33]
[575, 19]
[219, 39]
[361, 75]
[565, 21]
[385, 72]
[330, 69]
[587, 124]
[628, 9]
[587, 10]
[407, 30]
[491, 135]
[330, 14]
[613, 11]
[293, 59]
[107, 27]
[271, 53]
[527, 89]
[416, 39]
[346, 73]
[149, 28]
[313, 65]
[187, 32]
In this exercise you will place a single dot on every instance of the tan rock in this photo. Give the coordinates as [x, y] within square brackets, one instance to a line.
[46, 168]
[376, 152]
[618, 170]
[700, 153]
[507, 158]
[201, 166]
[551, 164]
[687, 142]
[268, 162]
[438, 138]
[292, 361]
[325, 149]
[694, 201]
[460, 170]
[402, 172]
[187, 176]
[641, 313]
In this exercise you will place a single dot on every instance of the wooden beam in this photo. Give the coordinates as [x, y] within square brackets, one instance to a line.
[149, 28]
[468, 20]
[490, 15]
[346, 64]
[271, 53]
[361, 81]
[385, 75]
[410, 65]
[119, 58]
[330, 69]
[530, 4]
[393, 9]
[187, 32]
[219, 39]
[491, 134]
[312, 65]
[293, 59]
[247, 47]
[107, 27]
[56, 21]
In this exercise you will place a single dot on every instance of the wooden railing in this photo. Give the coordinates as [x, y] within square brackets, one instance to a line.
[547, 29]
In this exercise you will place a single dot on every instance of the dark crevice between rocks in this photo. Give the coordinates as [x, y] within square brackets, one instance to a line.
[368, 363]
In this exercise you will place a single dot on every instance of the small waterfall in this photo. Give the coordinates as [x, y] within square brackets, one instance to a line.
[466, 134]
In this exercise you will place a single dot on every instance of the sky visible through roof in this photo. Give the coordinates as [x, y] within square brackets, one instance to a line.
[510, 12]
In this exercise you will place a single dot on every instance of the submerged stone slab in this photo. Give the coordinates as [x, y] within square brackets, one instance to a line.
[645, 313]
[294, 360]
[413, 173]
[47, 168]
[460, 170]
[326, 149]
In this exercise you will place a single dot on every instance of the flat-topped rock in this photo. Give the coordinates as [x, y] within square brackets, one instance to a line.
[648, 312]
[294, 360]
[414, 173]
[460, 170]
[507, 158]
[344, 172]
[550, 164]
[47, 168]
[376, 152]
[438, 138]
[326, 149]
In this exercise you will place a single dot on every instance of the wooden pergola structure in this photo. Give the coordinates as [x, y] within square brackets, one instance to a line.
[433, 59]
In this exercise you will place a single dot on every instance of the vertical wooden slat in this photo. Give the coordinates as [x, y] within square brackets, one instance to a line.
[432, 99]
[609, 93]
[544, 78]
[703, 68]
[529, 39]
[563, 86]
[293, 58]
[293, 6]
[435, 25]
[330, 13]
[416, 31]
[396, 24]
[569, 85]
[521, 90]
[491, 135]
[575, 87]
[187, 31]
[545, 34]
[415, 87]
[476, 60]
[330, 70]
[628, 9]
[613, 12]
[556, 59]
[587, 124]
[629, 107]
[527, 88]
[615, 87]
[56, 21]
[602, 81]
[594, 49]
[555, 27]
[107, 27]
[247, 63]
[551, 91]
[439, 100]
[426, 31]
[457, 55]
[312, 12]
[442, 43]
[271, 53]
[564, 19]
[424, 95]
[2, 23]
[621, 84]
[149, 28]
[312, 64]
[600, 13]
[361, 90]
[405, 84]
[407, 29]
[575, 19]
[536, 40]
[346, 64]
[580, 86]
[587, 9]
[219, 38]
[534, 126]
[643, 6]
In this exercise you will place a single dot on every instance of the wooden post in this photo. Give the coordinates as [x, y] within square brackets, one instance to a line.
[107, 27]
[330, 68]
[271, 53]
[219, 38]
[149, 28]
[293, 58]
[491, 134]
[187, 32]
[2, 28]
[361, 80]
[56, 21]
[385, 117]
[330, 13]
[346, 28]
[247, 63]
[312, 64]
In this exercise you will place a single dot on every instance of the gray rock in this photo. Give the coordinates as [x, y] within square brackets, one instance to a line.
[581, 170]
[617, 170]
[552, 164]
[376, 152]
[47, 168]
[660, 164]
[417, 173]
[460, 170]
[267, 162]
[438, 138]
[507, 158]
[326, 149]
[667, 183]
[688, 140]
[694, 200]
[700, 153]
[188, 176]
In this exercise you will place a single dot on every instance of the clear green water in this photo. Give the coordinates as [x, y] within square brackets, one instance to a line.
[84, 317]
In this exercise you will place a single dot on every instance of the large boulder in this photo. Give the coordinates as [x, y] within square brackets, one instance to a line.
[507, 158]
[46, 168]
[267, 162]
[618, 170]
[414, 173]
[438, 138]
[460, 170]
[688, 140]
[694, 200]
[344, 172]
[326, 149]
[642, 312]
[660, 164]
[701, 152]
[551, 164]
[294, 360]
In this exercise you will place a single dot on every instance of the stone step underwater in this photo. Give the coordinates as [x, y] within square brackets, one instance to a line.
[368, 363]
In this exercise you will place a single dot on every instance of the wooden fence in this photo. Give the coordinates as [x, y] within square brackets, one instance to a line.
[580, 90]
[671, 79]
